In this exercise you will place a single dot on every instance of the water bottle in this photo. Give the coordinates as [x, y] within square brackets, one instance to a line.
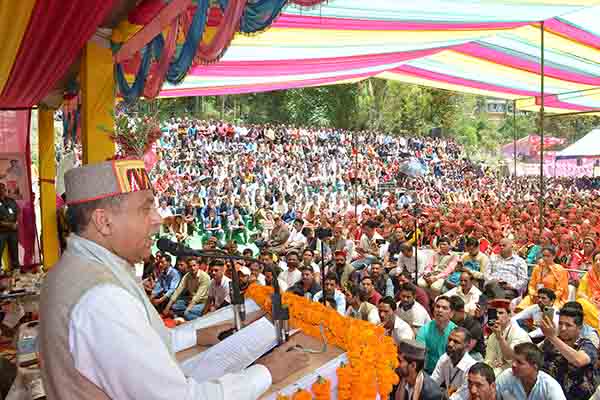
[28, 360]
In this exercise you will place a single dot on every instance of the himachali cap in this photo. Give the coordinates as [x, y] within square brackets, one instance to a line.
[500, 303]
[412, 349]
[106, 179]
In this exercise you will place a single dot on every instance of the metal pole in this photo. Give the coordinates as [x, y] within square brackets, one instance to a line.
[355, 150]
[515, 149]
[542, 189]
[416, 215]
[323, 270]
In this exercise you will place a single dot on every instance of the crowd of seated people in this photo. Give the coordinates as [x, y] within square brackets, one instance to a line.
[482, 298]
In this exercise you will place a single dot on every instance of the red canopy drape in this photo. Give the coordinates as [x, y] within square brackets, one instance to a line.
[57, 31]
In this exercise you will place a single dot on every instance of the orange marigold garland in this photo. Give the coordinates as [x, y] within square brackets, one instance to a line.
[302, 395]
[321, 389]
[344, 375]
[372, 359]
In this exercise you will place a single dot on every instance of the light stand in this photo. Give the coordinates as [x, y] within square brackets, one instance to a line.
[416, 214]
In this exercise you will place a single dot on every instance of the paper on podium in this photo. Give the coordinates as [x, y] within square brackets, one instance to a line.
[184, 336]
[233, 354]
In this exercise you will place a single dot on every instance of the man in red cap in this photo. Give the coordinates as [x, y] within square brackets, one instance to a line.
[96, 322]
[505, 336]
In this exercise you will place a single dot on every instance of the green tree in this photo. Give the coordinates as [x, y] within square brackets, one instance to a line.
[326, 106]
[526, 123]
[379, 105]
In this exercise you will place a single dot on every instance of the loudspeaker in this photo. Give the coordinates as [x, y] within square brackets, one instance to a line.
[435, 132]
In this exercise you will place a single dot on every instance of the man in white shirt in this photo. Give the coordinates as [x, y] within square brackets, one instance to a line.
[296, 241]
[451, 369]
[218, 291]
[466, 291]
[100, 337]
[534, 313]
[411, 311]
[269, 276]
[359, 306]
[164, 211]
[394, 326]
[331, 291]
[368, 250]
[292, 274]
[257, 275]
[406, 261]
[500, 344]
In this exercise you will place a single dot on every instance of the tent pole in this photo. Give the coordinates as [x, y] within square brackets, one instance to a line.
[355, 173]
[594, 112]
[542, 189]
[515, 148]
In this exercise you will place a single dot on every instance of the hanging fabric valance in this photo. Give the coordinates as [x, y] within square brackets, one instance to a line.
[187, 42]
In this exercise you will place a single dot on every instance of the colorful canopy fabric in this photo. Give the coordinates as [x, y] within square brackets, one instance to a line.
[199, 32]
[490, 48]
[40, 41]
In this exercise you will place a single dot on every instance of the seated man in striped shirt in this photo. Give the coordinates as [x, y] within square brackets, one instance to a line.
[507, 269]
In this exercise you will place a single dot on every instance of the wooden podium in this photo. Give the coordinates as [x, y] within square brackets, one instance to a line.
[316, 361]
[370, 357]
[299, 380]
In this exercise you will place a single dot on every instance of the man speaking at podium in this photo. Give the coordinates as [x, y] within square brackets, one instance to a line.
[100, 337]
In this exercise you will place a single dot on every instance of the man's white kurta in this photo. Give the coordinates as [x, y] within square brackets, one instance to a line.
[114, 346]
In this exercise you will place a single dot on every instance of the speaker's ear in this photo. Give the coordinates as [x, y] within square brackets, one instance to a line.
[101, 221]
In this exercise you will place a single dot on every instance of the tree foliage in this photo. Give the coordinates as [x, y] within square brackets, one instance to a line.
[377, 104]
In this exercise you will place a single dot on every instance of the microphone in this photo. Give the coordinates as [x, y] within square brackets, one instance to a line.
[236, 295]
[177, 249]
[280, 312]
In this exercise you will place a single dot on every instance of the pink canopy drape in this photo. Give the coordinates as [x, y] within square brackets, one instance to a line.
[14, 144]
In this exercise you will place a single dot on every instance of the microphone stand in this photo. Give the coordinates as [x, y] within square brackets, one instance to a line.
[237, 299]
[323, 272]
[279, 312]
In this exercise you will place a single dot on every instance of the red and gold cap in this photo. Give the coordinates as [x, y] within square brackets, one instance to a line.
[500, 303]
[109, 178]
